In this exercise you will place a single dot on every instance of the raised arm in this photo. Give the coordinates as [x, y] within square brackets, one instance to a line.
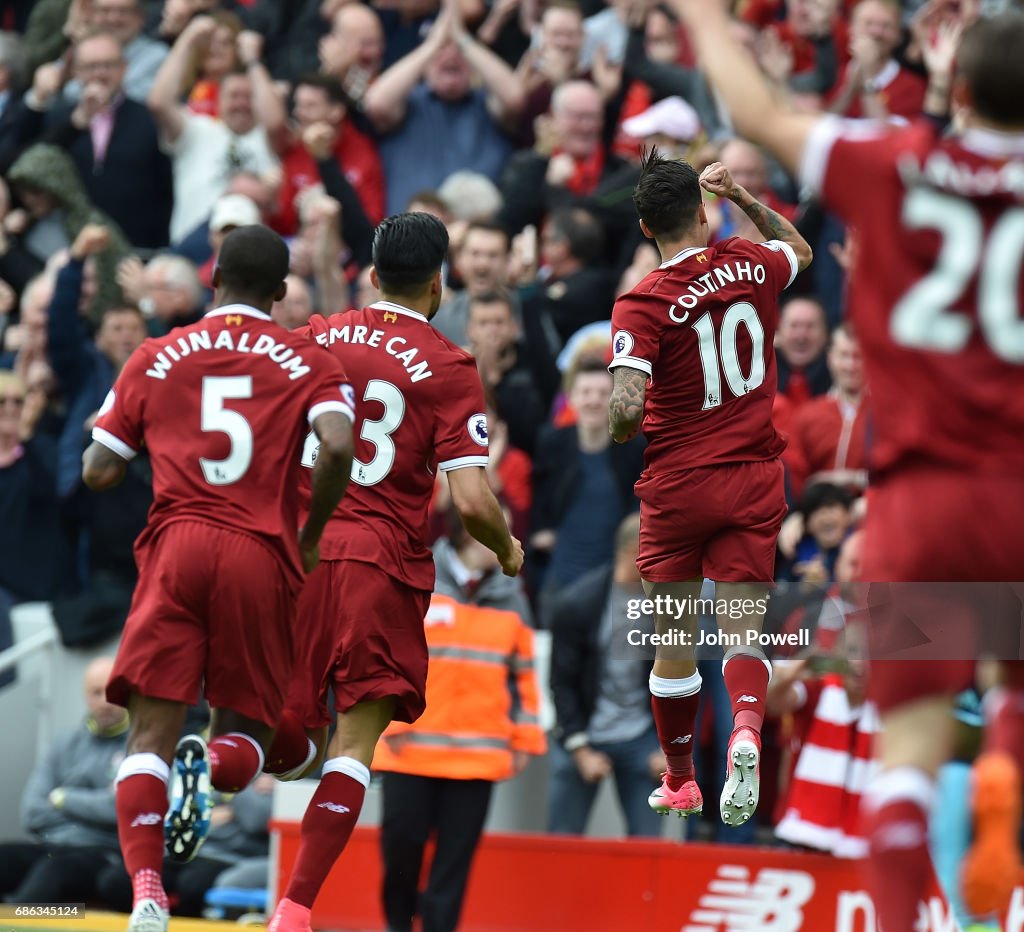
[506, 94]
[770, 224]
[164, 99]
[742, 88]
[267, 103]
[626, 408]
[481, 515]
[386, 99]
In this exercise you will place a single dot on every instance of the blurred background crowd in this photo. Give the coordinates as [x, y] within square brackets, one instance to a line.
[135, 135]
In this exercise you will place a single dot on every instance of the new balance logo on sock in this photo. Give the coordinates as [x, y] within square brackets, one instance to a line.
[898, 835]
[334, 807]
[747, 699]
[147, 818]
[685, 739]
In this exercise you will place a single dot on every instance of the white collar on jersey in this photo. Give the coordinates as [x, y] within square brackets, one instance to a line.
[889, 73]
[397, 309]
[238, 309]
[991, 142]
[679, 256]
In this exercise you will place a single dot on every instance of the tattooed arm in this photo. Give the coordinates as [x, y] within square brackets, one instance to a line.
[770, 224]
[626, 409]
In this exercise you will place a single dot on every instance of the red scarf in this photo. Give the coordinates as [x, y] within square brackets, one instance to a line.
[587, 175]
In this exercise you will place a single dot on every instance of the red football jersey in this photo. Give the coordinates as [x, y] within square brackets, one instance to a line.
[223, 406]
[937, 292]
[421, 408]
[702, 326]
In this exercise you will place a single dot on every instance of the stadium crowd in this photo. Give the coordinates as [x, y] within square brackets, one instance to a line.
[135, 135]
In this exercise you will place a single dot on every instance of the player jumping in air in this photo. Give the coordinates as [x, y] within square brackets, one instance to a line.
[361, 613]
[936, 296]
[223, 407]
[694, 360]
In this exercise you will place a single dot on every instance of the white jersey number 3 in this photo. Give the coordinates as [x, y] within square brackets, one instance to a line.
[378, 432]
[924, 319]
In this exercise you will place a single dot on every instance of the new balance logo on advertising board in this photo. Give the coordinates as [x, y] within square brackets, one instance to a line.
[772, 902]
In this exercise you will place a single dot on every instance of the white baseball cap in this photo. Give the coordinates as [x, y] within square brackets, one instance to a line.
[233, 210]
[672, 116]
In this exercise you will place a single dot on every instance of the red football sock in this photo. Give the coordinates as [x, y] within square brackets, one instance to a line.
[674, 704]
[290, 748]
[326, 826]
[899, 866]
[235, 759]
[1005, 723]
[141, 804]
[747, 675]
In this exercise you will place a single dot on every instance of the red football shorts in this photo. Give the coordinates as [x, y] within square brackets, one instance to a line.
[359, 631]
[963, 536]
[719, 522]
[212, 609]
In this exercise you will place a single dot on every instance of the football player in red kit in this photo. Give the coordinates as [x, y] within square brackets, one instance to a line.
[935, 295]
[360, 627]
[223, 407]
[694, 359]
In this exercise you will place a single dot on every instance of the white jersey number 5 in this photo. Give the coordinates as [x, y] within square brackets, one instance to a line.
[378, 432]
[924, 317]
[216, 418]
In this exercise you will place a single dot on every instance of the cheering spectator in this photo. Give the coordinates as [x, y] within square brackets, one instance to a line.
[434, 121]
[327, 148]
[577, 173]
[113, 142]
[576, 289]
[827, 518]
[828, 441]
[519, 377]
[747, 164]
[800, 352]
[206, 152]
[30, 537]
[229, 211]
[167, 291]
[68, 807]
[58, 209]
[582, 484]
[831, 732]
[123, 20]
[296, 307]
[482, 265]
[353, 50]
[873, 83]
[17, 265]
[602, 700]
[212, 60]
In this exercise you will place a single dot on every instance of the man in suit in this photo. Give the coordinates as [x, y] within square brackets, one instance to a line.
[114, 143]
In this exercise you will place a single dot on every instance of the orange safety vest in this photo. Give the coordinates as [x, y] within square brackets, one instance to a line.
[481, 698]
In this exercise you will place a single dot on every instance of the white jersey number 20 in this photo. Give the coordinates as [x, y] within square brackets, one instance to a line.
[924, 317]
[378, 432]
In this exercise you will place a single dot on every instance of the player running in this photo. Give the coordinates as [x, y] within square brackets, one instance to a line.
[361, 613]
[936, 297]
[223, 407]
[700, 329]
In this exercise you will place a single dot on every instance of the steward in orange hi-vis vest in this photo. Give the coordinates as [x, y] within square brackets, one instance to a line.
[481, 698]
